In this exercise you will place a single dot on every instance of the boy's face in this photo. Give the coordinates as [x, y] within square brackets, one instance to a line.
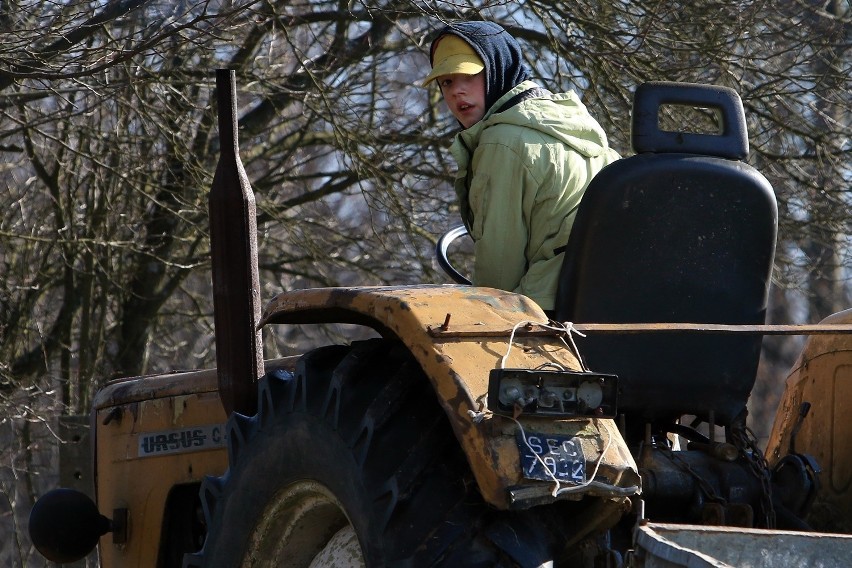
[465, 96]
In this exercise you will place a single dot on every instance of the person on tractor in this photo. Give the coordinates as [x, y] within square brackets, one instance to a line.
[525, 156]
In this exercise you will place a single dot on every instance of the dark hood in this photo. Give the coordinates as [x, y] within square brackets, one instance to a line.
[501, 54]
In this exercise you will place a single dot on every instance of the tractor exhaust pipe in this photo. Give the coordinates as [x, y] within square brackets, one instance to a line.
[233, 251]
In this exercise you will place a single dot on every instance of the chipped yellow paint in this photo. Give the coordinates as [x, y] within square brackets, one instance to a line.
[425, 318]
[128, 409]
[458, 334]
[821, 376]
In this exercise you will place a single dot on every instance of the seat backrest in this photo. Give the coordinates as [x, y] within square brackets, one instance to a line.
[681, 232]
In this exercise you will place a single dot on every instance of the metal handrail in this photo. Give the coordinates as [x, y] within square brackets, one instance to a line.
[441, 253]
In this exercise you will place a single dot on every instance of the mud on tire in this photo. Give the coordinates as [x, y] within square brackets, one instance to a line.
[355, 440]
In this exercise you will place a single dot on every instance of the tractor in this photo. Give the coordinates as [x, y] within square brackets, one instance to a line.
[476, 430]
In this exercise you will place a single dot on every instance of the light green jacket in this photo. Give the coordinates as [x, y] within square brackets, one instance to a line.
[521, 175]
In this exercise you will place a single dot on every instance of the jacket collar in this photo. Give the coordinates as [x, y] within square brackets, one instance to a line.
[470, 136]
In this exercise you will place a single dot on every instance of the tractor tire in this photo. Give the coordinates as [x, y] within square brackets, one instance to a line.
[352, 462]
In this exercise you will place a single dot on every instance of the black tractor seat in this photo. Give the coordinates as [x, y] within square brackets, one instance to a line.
[683, 231]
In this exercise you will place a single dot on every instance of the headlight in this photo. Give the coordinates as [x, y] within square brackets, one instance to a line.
[561, 394]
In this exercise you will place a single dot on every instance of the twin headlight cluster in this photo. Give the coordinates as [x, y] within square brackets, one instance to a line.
[553, 393]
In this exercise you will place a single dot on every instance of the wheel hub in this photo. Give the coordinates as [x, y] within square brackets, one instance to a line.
[304, 526]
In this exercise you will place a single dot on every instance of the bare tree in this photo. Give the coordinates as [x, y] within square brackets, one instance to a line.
[108, 119]
[108, 144]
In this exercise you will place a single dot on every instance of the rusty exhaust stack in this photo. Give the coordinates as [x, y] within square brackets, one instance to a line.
[233, 250]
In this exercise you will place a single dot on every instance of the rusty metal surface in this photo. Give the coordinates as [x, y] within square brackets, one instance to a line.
[662, 545]
[822, 376]
[127, 478]
[233, 251]
[458, 367]
[715, 328]
[135, 389]
[442, 332]
[130, 409]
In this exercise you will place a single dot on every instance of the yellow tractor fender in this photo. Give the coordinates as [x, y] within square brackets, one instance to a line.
[458, 334]
[813, 420]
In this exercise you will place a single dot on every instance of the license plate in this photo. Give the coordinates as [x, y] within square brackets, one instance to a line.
[562, 457]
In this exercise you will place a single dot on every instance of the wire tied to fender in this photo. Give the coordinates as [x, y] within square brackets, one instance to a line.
[567, 328]
[483, 411]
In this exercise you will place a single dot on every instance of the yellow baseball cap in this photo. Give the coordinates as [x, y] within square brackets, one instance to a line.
[453, 55]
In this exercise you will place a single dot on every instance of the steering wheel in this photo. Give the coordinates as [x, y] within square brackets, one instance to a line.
[441, 253]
